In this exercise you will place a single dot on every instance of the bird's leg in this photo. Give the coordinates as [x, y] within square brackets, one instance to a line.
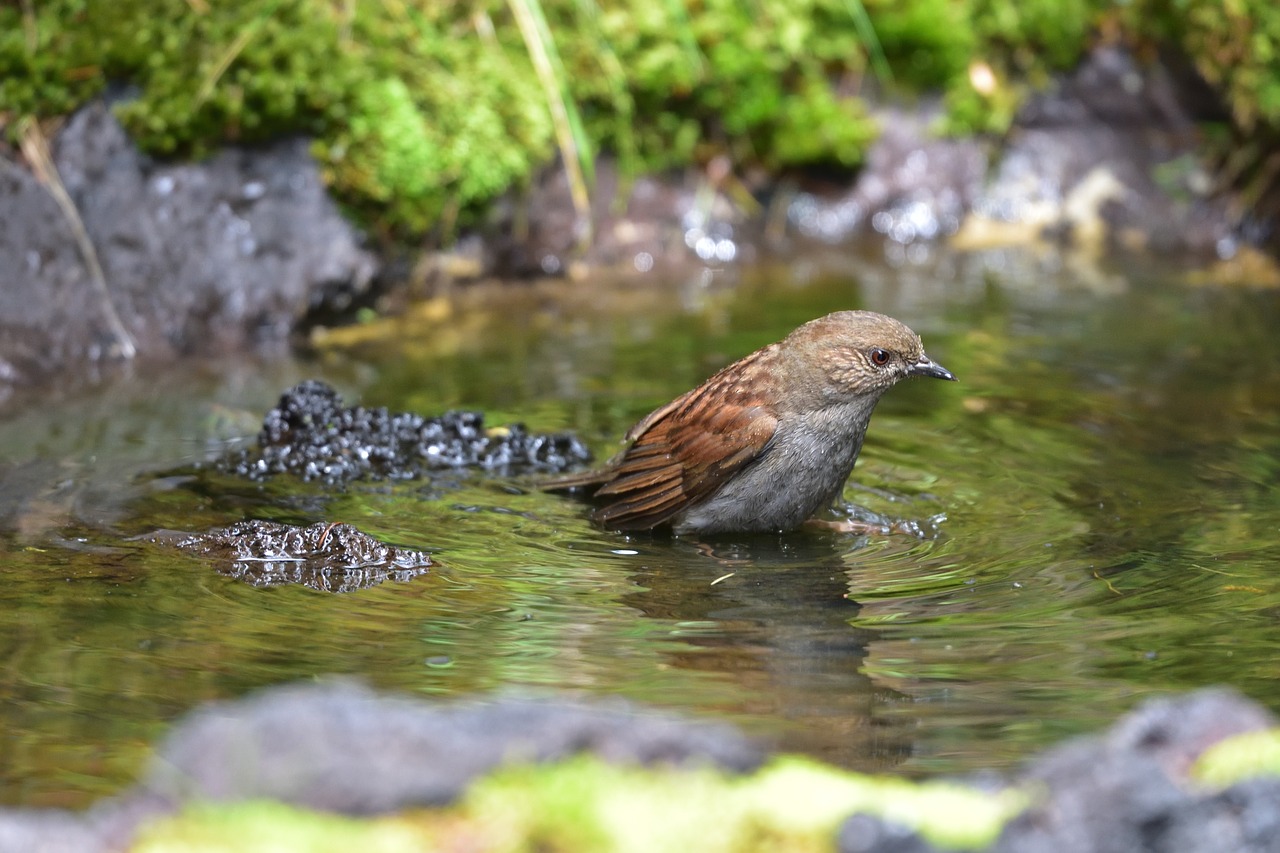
[845, 525]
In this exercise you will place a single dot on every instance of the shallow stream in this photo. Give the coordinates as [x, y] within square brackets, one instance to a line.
[1101, 483]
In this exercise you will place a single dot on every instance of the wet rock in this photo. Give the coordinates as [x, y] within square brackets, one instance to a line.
[48, 831]
[669, 222]
[203, 257]
[323, 556]
[1108, 157]
[312, 435]
[914, 186]
[343, 748]
[1130, 788]
[1127, 789]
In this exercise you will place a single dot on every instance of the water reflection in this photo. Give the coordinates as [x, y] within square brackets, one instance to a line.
[772, 615]
[1107, 471]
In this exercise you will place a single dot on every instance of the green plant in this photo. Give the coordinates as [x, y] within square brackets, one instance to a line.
[423, 111]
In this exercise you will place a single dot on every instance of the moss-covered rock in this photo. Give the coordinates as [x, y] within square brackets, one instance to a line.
[425, 110]
[588, 804]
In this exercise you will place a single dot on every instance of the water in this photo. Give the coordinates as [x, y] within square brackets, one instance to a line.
[1107, 472]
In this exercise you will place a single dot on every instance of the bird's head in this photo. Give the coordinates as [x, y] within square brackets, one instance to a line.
[850, 355]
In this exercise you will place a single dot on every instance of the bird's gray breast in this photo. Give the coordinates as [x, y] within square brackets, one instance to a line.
[802, 470]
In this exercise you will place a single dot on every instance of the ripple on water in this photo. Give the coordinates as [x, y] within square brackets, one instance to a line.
[1108, 492]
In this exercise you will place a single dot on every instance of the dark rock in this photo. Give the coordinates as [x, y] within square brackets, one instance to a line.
[672, 222]
[1111, 155]
[1126, 790]
[913, 186]
[343, 748]
[864, 833]
[48, 831]
[312, 435]
[1108, 157]
[323, 556]
[1244, 818]
[197, 257]
[1129, 789]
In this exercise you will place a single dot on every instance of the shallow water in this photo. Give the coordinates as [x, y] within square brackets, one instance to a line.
[1104, 477]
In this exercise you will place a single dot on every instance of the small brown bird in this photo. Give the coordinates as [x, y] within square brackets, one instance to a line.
[766, 442]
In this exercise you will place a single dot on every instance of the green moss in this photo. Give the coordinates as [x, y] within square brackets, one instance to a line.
[929, 42]
[1035, 36]
[971, 111]
[425, 110]
[818, 127]
[585, 804]
[753, 81]
[47, 64]
[1236, 47]
[1238, 758]
[267, 827]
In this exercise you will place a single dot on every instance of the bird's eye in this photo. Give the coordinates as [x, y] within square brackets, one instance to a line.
[879, 357]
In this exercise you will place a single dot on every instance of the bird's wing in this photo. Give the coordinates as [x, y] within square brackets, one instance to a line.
[579, 480]
[681, 454]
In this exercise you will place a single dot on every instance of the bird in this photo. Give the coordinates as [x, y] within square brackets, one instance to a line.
[763, 444]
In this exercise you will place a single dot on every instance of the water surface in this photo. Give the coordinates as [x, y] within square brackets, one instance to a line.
[1103, 485]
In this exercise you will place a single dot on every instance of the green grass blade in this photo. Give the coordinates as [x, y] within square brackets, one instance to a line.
[870, 41]
[575, 147]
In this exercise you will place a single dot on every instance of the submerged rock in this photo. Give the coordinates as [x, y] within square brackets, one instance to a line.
[323, 556]
[312, 435]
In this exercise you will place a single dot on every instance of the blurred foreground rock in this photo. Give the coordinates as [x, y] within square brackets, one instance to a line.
[342, 748]
[1131, 789]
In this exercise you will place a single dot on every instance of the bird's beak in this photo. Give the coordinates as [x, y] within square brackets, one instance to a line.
[927, 367]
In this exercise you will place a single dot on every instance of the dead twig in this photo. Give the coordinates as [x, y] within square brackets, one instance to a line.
[36, 149]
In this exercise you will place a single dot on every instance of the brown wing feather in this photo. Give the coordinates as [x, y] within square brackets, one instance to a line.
[680, 455]
[580, 480]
